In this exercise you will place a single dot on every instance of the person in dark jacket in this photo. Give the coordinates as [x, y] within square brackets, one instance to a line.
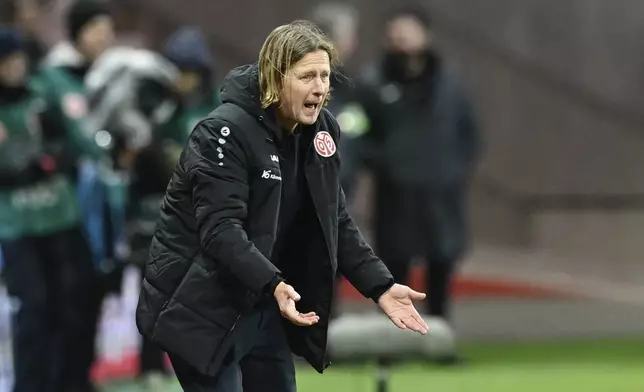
[254, 221]
[424, 145]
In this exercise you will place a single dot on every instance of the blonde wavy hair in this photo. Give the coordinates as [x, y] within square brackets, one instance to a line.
[283, 48]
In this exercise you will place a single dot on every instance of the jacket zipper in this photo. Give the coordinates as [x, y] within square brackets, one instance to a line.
[317, 214]
[223, 342]
[325, 362]
[230, 331]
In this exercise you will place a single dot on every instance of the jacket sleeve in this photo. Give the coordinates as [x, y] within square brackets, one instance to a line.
[356, 260]
[220, 196]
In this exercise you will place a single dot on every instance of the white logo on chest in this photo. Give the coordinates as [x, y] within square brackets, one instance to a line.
[267, 174]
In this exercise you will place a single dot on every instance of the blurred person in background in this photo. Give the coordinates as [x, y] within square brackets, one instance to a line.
[48, 264]
[25, 16]
[424, 146]
[197, 92]
[132, 94]
[90, 29]
[340, 21]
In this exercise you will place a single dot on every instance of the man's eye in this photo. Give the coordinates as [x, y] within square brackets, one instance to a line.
[307, 77]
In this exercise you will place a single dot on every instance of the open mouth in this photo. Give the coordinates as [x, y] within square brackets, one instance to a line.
[311, 106]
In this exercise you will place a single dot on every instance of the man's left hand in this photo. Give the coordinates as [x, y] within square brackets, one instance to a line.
[398, 306]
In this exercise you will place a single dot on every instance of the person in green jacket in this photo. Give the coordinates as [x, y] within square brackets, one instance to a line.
[90, 29]
[47, 262]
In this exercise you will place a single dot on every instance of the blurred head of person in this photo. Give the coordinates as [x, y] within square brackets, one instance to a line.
[25, 15]
[340, 22]
[90, 27]
[188, 50]
[13, 59]
[408, 44]
[295, 65]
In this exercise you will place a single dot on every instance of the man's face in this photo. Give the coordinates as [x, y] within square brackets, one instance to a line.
[96, 37]
[406, 35]
[13, 70]
[304, 90]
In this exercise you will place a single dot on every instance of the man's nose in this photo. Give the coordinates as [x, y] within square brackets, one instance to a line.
[319, 87]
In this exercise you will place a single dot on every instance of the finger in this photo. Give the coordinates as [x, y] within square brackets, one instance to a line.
[422, 323]
[410, 323]
[293, 294]
[309, 317]
[312, 319]
[296, 318]
[293, 315]
[398, 323]
[414, 321]
[414, 315]
[416, 296]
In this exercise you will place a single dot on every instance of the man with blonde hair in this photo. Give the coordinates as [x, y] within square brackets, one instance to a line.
[254, 221]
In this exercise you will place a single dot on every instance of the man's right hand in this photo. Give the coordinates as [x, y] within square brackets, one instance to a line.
[286, 297]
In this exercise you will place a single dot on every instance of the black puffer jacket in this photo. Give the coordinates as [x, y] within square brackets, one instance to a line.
[209, 262]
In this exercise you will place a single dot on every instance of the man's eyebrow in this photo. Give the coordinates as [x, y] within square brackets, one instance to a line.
[313, 71]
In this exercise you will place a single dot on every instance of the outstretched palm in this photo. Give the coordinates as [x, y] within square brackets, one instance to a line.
[397, 303]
